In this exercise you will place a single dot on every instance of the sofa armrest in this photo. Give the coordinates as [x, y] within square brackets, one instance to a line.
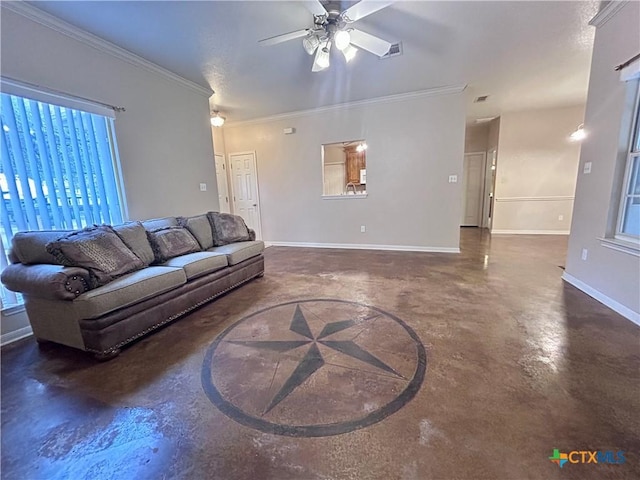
[54, 282]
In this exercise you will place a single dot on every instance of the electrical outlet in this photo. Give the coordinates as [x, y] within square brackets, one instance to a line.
[363, 228]
[587, 167]
[585, 252]
[560, 218]
[203, 187]
[453, 178]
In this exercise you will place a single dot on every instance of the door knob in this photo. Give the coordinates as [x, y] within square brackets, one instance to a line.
[255, 204]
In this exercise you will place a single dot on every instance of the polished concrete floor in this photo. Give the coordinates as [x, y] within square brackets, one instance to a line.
[347, 365]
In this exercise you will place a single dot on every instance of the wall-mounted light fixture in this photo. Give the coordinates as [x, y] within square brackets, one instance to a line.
[579, 134]
[217, 120]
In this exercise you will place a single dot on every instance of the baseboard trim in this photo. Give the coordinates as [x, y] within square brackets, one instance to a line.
[16, 335]
[602, 298]
[364, 246]
[530, 232]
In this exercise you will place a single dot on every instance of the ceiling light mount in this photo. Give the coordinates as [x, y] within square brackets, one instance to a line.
[217, 120]
[579, 134]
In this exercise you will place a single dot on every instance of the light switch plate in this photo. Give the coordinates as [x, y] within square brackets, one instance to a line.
[203, 187]
[587, 167]
[453, 178]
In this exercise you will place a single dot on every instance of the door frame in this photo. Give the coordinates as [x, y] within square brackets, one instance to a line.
[233, 190]
[481, 207]
[489, 211]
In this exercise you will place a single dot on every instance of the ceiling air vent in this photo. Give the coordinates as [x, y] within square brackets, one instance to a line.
[394, 50]
[481, 99]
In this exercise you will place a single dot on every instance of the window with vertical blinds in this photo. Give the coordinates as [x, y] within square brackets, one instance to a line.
[57, 171]
[629, 212]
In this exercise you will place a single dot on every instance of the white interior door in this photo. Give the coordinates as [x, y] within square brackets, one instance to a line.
[223, 184]
[244, 185]
[473, 186]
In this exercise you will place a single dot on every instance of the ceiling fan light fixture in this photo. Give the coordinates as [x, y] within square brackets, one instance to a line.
[310, 43]
[217, 120]
[349, 53]
[342, 39]
[322, 56]
[579, 134]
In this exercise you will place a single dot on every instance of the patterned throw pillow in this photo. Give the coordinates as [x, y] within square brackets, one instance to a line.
[228, 228]
[169, 242]
[99, 250]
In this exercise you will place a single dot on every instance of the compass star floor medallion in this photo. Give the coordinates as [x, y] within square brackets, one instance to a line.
[314, 368]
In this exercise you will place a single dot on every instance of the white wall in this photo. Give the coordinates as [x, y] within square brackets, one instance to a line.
[476, 138]
[164, 137]
[537, 168]
[414, 145]
[611, 276]
[493, 136]
[218, 140]
[335, 160]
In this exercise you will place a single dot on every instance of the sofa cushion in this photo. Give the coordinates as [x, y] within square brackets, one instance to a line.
[156, 223]
[134, 236]
[127, 290]
[99, 250]
[199, 263]
[227, 228]
[170, 242]
[240, 251]
[31, 247]
[200, 228]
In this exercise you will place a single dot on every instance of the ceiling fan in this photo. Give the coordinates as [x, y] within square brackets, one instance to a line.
[333, 27]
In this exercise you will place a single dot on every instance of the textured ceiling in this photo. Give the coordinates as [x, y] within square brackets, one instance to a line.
[522, 54]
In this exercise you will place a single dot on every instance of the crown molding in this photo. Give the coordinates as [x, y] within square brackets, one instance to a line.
[607, 12]
[60, 26]
[431, 92]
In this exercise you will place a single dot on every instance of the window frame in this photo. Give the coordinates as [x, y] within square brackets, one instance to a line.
[631, 157]
[338, 196]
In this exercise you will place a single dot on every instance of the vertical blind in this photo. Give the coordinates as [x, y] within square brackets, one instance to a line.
[57, 171]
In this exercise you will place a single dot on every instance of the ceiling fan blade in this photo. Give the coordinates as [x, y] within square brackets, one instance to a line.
[315, 7]
[369, 42]
[364, 8]
[285, 37]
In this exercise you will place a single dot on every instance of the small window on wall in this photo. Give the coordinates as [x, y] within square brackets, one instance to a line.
[628, 227]
[344, 169]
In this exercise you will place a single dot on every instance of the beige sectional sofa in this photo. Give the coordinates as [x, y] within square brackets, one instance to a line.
[95, 307]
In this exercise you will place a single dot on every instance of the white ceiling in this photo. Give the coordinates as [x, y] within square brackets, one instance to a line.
[523, 54]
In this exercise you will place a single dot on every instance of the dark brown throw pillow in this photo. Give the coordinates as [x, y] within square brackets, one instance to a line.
[228, 228]
[99, 250]
[171, 242]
